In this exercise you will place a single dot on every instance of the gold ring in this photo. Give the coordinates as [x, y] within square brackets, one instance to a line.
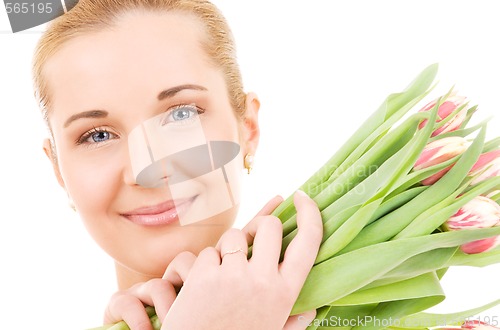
[233, 252]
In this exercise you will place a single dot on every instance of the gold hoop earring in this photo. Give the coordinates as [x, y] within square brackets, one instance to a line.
[248, 162]
[71, 204]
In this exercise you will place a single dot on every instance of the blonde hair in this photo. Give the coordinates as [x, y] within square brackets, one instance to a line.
[94, 15]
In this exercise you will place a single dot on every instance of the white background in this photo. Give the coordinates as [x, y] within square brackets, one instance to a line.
[319, 67]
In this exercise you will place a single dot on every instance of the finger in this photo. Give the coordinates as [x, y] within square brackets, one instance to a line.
[270, 206]
[267, 244]
[233, 247]
[301, 252]
[179, 268]
[158, 293]
[251, 228]
[300, 321]
[129, 309]
[208, 257]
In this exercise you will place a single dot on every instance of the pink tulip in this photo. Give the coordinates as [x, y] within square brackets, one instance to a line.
[446, 109]
[480, 212]
[470, 325]
[477, 325]
[481, 245]
[487, 166]
[440, 151]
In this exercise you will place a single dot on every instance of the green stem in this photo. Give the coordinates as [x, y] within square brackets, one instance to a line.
[392, 109]
[393, 223]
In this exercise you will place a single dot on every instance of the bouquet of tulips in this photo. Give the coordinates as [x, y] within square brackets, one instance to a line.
[406, 197]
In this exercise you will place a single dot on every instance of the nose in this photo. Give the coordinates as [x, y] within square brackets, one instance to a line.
[154, 159]
[160, 152]
[177, 167]
[186, 164]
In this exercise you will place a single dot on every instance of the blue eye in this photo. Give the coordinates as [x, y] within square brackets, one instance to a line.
[181, 114]
[96, 136]
[100, 136]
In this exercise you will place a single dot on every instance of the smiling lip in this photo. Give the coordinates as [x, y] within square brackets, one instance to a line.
[161, 214]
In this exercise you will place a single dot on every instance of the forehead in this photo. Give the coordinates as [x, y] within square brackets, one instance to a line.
[141, 51]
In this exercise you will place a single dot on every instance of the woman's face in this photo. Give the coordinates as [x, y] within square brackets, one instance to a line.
[105, 85]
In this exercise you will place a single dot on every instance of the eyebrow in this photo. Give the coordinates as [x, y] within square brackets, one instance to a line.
[168, 93]
[86, 114]
[174, 90]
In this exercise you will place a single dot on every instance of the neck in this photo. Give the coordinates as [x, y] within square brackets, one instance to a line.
[126, 277]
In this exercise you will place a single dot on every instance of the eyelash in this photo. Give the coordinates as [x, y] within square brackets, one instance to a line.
[193, 107]
[82, 140]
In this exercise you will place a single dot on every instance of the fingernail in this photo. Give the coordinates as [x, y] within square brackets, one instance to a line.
[301, 193]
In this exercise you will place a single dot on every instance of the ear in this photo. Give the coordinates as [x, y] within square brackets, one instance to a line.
[251, 124]
[50, 153]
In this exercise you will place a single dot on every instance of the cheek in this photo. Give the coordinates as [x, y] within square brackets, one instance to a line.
[223, 186]
[94, 187]
[91, 183]
[226, 179]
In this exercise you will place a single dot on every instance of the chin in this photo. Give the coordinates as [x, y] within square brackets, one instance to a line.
[155, 256]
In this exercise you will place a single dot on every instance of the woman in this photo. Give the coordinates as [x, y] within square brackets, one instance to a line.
[131, 91]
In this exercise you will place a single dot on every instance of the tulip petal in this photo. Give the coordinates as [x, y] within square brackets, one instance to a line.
[484, 159]
[477, 325]
[482, 245]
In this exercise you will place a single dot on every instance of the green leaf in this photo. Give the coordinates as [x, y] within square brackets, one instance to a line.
[394, 156]
[470, 113]
[347, 231]
[475, 260]
[461, 132]
[434, 320]
[343, 317]
[433, 218]
[421, 286]
[393, 108]
[395, 143]
[382, 173]
[394, 201]
[420, 264]
[393, 223]
[491, 145]
[379, 184]
[416, 177]
[388, 314]
[321, 314]
[441, 123]
[495, 197]
[328, 227]
[356, 269]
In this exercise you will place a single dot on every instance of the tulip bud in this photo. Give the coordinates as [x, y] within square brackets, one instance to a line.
[481, 245]
[480, 212]
[478, 325]
[446, 109]
[440, 151]
[470, 325]
[487, 166]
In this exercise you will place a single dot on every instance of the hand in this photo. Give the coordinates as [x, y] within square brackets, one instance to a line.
[224, 290]
[128, 305]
